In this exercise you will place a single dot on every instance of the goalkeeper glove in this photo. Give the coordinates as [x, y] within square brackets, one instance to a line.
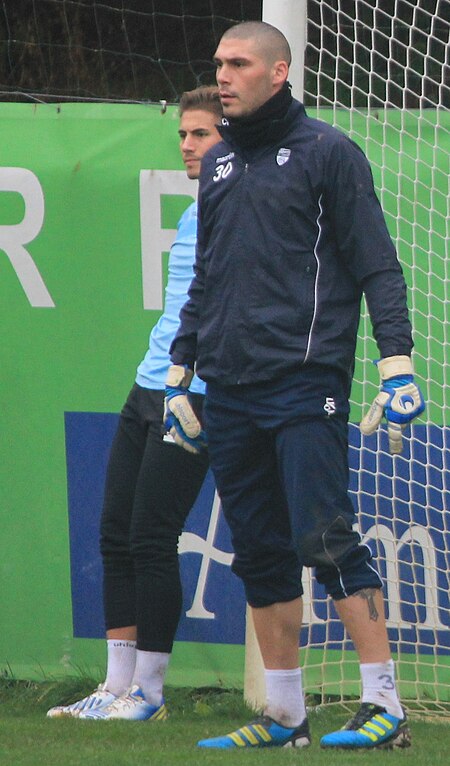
[399, 400]
[179, 417]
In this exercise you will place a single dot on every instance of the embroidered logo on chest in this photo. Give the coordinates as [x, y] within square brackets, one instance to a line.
[283, 156]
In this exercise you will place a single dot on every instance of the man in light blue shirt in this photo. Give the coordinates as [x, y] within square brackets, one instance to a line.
[151, 485]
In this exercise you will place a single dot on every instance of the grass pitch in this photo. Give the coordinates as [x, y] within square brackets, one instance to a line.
[28, 738]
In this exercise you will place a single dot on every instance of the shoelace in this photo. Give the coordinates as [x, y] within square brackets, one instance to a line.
[85, 701]
[128, 701]
[263, 720]
[122, 702]
[364, 714]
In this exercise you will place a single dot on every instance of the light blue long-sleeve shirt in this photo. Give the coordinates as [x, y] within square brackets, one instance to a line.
[152, 371]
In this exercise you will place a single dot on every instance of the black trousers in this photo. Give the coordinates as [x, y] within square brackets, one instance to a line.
[151, 485]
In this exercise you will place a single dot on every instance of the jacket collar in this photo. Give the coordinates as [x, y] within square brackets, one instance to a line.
[265, 126]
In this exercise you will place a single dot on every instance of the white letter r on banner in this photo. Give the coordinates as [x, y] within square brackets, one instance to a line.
[14, 237]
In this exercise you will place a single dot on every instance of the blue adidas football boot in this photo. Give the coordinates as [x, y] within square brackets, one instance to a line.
[371, 727]
[262, 732]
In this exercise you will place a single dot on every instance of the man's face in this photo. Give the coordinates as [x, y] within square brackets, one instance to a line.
[246, 81]
[197, 133]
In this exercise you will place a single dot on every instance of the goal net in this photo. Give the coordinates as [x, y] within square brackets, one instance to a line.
[380, 71]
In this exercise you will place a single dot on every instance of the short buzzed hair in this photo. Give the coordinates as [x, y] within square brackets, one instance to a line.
[206, 97]
[274, 46]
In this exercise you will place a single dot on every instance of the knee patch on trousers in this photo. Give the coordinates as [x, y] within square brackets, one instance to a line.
[346, 567]
[329, 547]
[338, 540]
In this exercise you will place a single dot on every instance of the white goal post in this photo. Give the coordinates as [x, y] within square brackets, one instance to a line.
[378, 69]
[290, 18]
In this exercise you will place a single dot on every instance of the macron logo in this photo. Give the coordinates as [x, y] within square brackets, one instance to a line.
[227, 157]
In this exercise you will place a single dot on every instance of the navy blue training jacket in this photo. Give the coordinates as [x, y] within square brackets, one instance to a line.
[290, 235]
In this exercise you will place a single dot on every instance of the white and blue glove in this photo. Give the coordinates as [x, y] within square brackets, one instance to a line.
[179, 417]
[399, 400]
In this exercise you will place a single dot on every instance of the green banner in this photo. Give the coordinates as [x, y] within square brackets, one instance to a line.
[90, 199]
[90, 196]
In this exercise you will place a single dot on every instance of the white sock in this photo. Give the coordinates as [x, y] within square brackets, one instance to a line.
[121, 662]
[378, 685]
[284, 693]
[149, 674]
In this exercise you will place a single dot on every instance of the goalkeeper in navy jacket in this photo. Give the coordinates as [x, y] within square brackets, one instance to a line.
[290, 236]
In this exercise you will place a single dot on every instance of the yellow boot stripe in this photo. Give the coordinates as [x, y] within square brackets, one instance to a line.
[370, 735]
[374, 727]
[247, 732]
[160, 714]
[383, 721]
[237, 739]
[263, 733]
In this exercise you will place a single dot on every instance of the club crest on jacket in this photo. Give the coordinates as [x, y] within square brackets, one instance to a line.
[283, 156]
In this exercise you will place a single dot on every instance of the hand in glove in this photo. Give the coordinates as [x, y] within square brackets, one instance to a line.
[399, 400]
[179, 417]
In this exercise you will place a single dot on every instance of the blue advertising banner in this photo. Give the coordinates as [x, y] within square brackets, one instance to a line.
[400, 516]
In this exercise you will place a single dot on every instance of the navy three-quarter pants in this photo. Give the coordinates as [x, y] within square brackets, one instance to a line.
[278, 452]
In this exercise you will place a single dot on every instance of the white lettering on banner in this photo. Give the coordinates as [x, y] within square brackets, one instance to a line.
[414, 535]
[13, 237]
[191, 543]
[153, 184]
[418, 535]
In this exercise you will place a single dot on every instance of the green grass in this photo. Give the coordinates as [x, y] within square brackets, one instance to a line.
[28, 738]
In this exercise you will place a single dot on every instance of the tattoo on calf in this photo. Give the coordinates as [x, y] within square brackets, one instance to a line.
[369, 595]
